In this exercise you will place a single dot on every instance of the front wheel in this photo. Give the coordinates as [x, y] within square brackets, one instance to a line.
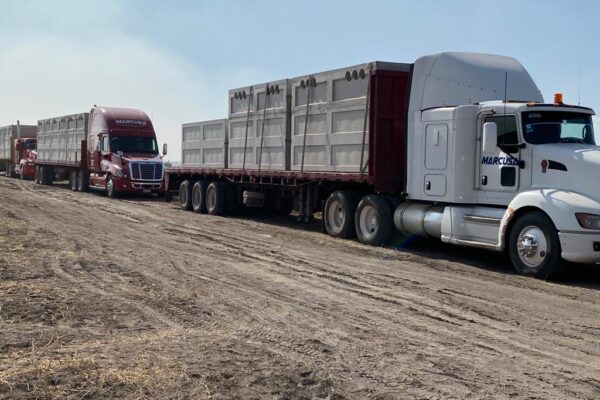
[534, 246]
[110, 188]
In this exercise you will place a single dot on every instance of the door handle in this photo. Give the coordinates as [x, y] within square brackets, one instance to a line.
[427, 185]
[484, 180]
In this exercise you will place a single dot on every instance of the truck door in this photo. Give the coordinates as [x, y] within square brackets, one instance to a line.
[499, 171]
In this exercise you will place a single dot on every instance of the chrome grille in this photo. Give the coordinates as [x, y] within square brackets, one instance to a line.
[146, 171]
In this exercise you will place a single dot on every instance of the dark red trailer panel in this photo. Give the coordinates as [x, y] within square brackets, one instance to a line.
[387, 134]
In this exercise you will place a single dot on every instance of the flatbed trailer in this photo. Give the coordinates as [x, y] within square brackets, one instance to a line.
[459, 147]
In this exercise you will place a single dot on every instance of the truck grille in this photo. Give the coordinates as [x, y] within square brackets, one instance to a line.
[146, 171]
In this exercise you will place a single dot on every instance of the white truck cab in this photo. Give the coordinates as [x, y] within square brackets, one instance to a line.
[491, 165]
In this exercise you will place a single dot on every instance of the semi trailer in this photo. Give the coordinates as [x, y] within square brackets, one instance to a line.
[110, 149]
[459, 147]
[17, 143]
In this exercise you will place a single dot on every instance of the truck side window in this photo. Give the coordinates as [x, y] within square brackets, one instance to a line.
[508, 139]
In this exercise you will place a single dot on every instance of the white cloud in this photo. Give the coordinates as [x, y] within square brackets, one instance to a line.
[43, 76]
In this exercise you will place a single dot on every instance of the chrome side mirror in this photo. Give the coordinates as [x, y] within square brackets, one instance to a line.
[164, 149]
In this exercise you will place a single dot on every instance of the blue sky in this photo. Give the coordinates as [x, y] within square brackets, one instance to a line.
[177, 59]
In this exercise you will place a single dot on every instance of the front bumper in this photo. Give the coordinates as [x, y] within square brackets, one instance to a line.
[581, 247]
[126, 185]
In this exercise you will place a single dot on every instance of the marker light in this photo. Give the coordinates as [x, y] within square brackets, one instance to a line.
[558, 98]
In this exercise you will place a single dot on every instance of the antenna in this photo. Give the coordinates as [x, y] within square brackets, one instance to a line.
[505, 100]
[579, 89]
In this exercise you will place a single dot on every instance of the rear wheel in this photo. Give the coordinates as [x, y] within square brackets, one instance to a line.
[373, 220]
[199, 197]
[534, 246]
[36, 174]
[110, 188]
[83, 181]
[185, 195]
[73, 180]
[339, 213]
[216, 198]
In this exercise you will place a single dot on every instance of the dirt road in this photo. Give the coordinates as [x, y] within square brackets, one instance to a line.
[136, 298]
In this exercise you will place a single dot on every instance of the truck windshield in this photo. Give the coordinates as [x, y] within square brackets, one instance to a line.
[30, 145]
[133, 144]
[541, 127]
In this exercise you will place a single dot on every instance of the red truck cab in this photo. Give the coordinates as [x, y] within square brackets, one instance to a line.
[123, 154]
[23, 158]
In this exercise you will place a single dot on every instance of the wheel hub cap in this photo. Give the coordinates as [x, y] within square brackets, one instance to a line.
[368, 221]
[532, 246]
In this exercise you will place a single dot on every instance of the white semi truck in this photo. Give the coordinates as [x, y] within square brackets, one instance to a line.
[457, 146]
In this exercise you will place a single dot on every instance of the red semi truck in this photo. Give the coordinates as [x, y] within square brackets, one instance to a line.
[459, 147]
[109, 149]
[17, 150]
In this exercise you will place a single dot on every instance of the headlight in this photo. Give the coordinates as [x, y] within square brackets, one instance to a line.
[119, 173]
[588, 221]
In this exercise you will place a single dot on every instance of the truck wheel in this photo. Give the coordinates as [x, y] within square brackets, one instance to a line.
[373, 220]
[44, 173]
[11, 171]
[22, 173]
[36, 174]
[199, 197]
[185, 195]
[83, 181]
[49, 176]
[216, 199]
[111, 192]
[339, 213]
[73, 180]
[534, 246]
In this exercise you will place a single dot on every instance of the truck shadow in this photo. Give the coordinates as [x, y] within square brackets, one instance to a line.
[101, 193]
[576, 275]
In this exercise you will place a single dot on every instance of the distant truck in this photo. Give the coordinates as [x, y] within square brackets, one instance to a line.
[109, 149]
[455, 146]
[17, 142]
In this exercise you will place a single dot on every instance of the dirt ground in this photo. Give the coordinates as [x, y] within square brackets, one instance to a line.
[135, 298]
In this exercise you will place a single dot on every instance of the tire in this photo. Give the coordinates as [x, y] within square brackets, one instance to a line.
[11, 171]
[83, 181]
[111, 192]
[22, 173]
[49, 176]
[199, 197]
[44, 175]
[534, 246]
[339, 214]
[185, 195]
[37, 174]
[373, 220]
[216, 198]
[73, 180]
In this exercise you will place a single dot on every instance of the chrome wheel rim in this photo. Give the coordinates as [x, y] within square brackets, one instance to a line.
[196, 197]
[336, 215]
[211, 199]
[182, 195]
[532, 246]
[110, 186]
[368, 221]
